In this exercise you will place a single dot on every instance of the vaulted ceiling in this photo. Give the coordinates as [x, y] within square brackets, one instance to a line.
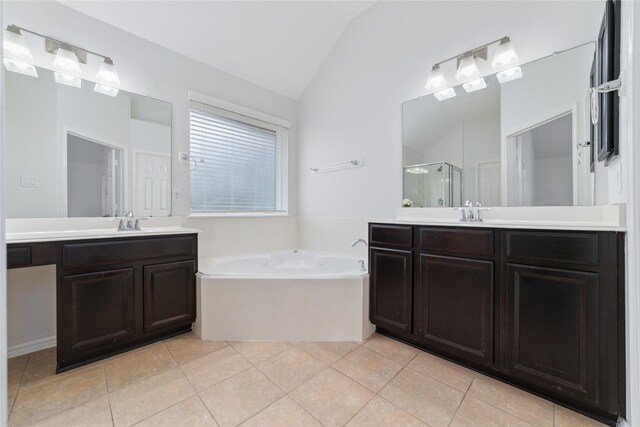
[278, 45]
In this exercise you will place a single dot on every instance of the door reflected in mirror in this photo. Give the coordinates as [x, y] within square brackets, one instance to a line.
[524, 142]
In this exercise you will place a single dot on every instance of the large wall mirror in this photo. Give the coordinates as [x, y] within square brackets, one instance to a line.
[521, 143]
[78, 153]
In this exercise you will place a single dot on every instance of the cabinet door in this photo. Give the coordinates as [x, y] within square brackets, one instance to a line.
[169, 295]
[552, 329]
[455, 300]
[97, 311]
[391, 284]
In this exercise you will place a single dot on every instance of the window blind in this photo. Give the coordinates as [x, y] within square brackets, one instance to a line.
[238, 162]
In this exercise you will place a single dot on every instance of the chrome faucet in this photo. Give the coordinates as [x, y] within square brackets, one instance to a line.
[468, 214]
[355, 242]
[362, 267]
[130, 224]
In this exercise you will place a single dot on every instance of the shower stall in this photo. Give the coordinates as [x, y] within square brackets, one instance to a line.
[437, 184]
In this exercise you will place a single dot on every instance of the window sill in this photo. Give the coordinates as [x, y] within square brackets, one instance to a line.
[237, 215]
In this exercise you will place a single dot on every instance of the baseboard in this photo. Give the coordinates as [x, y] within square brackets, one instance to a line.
[31, 346]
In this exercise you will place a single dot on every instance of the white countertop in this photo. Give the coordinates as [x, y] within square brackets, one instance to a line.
[588, 218]
[31, 230]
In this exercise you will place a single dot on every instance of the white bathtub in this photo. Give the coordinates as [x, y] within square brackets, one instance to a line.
[295, 296]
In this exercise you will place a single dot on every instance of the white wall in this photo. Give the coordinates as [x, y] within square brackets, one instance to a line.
[149, 69]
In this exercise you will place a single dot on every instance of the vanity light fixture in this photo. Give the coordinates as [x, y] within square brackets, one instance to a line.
[436, 80]
[505, 55]
[504, 63]
[445, 94]
[17, 56]
[467, 67]
[107, 80]
[66, 65]
[509, 74]
[475, 85]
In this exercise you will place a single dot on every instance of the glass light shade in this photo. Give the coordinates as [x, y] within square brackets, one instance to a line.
[435, 80]
[445, 94]
[106, 90]
[15, 46]
[20, 67]
[467, 68]
[66, 62]
[67, 79]
[474, 85]
[509, 74]
[107, 75]
[505, 56]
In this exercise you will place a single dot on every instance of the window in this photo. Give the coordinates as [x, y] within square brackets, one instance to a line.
[238, 163]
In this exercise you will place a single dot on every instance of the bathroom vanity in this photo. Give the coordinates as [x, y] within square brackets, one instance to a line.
[118, 292]
[542, 309]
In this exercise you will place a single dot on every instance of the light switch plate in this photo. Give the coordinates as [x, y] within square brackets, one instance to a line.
[29, 181]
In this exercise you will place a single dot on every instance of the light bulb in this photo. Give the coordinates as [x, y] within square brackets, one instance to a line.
[435, 80]
[509, 74]
[474, 85]
[505, 55]
[15, 46]
[445, 94]
[20, 67]
[67, 79]
[66, 62]
[467, 68]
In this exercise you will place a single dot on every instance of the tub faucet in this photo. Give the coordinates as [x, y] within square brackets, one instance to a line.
[355, 243]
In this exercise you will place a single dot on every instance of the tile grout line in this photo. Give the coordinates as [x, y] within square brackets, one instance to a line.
[191, 384]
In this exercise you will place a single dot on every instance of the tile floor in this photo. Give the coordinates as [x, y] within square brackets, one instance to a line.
[187, 382]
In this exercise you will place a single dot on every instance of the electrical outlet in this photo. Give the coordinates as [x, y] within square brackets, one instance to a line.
[177, 194]
[29, 181]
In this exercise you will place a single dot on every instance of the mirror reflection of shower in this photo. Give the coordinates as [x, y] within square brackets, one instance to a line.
[437, 184]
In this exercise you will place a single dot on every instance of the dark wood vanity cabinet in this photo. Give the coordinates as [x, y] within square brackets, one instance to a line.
[540, 309]
[116, 294]
[391, 264]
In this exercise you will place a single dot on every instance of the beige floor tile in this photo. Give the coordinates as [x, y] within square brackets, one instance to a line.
[47, 399]
[369, 368]
[291, 368]
[382, 413]
[568, 418]
[15, 370]
[10, 401]
[443, 370]
[238, 398]
[476, 413]
[431, 401]
[94, 413]
[137, 366]
[328, 351]
[47, 353]
[284, 413]
[185, 348]
[190, 412]
[331, 397]
[43, 370]
[140, 400]
[391, 348]
[257, 351]
[513, 400]
[212, 368]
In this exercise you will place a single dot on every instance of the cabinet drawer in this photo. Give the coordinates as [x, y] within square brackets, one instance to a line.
[391, 235]
[456, 241]
[552, 247]
[18, 257]
[78, 255]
